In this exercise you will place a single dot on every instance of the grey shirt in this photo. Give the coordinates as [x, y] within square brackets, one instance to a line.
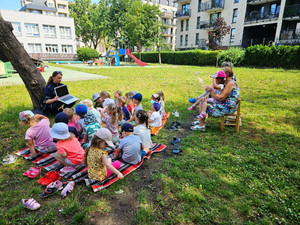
[131, 149]
[137, 108]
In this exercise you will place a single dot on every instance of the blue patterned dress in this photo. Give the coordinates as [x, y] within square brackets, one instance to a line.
[228, 106]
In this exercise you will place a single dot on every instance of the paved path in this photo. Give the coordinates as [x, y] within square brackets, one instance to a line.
[68, 75]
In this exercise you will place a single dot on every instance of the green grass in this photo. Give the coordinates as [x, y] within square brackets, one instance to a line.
[246, 178]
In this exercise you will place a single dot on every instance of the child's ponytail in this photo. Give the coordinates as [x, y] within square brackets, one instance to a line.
[119, 112]
[143, 117]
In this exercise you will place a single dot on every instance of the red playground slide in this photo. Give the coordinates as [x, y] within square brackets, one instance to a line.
[139, 62]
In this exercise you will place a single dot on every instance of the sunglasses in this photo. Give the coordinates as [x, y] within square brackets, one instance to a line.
[58, 72]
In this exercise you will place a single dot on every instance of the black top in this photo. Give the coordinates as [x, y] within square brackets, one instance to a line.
[49, 91]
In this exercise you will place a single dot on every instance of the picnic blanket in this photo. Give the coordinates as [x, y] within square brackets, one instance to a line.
[155, 130]
[80, 175]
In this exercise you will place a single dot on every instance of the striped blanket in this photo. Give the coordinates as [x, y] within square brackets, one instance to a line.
[155, 130]
[80, 175]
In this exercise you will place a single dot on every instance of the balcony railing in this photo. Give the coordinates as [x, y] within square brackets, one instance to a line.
[257, 17]
[290, 34]
[186, 13]
[261, 1]
[292, 10]
[207, 24]
[257, 41]
[170, 24]
[212, 6]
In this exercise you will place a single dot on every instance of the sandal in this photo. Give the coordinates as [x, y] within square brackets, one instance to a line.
[34, 172]
[28, 172]
[176, 149]
[195, 123]
[175, 140]
[31, 204]
[9, 159]
[198, 127]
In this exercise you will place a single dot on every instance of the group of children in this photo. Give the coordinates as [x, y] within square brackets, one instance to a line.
[80, 138]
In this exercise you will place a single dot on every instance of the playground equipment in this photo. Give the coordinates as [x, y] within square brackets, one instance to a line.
[115, 59]
[6, 69]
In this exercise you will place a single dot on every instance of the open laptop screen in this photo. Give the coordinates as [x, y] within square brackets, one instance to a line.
[62, 91]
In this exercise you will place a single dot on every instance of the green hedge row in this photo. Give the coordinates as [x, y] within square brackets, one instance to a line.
[259, 56]
[191, 57]
[85, 54]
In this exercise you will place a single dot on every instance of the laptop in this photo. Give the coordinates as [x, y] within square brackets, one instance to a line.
[63, 95]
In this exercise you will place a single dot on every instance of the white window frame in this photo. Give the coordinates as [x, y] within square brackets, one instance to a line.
[67, 49]
[49, 31]
[34, 48]
[32, 30]
[50, 48]
[65, 32]
[17, 28]
[232, 35]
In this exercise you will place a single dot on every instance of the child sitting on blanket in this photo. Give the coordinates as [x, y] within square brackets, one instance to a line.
[137, 98]
[89, 104]
[162, 103]
[97, 100]
[131, 149]
[126, 114]
[142, 129]
[90, 128]
[70, 114]
[80, 110]
[105, 99]
[63, 118]
[218, 85]
[130, 105]
[96, 157]
[111, 116]
[69, 151]
[117, 95]
[155, 118]
[37, 135]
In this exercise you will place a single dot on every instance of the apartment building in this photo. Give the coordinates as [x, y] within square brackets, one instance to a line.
[168, 9]
[46, 7]
[252, 22]
[44, 36]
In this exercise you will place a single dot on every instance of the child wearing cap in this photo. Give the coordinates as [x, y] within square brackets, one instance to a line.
[69, 151]
[131, 149]
[117, 94]
[37, 135]
[154, 115]
[137, 98]
[89, 104]
[96, 157]
[80, 110]
[130, 105]
[97, 100]
[90, 128]
[218, 85]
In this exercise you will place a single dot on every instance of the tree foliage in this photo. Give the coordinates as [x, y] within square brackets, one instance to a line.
[85, 54]
[220, 30]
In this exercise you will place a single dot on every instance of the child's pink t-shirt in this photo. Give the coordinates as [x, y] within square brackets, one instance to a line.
[40, 133]
[72, 123]
[72, 147]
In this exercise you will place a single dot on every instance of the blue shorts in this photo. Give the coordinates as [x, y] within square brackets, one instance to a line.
[143, 153]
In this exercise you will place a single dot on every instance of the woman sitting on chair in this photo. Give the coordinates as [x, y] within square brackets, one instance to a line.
[228, 99]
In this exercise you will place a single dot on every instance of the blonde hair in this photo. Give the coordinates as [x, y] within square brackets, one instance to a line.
[96, 142]
[116, 113]
[228, 70]
[128, 95]
[30, 120]
[104, 95]
[88, 103]
[69, 112]
[161, 95]
[119, 93]
[122, 100]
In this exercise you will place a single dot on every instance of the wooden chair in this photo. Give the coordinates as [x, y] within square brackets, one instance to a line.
[232, 119]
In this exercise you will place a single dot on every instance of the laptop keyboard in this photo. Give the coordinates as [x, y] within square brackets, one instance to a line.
[67, 98]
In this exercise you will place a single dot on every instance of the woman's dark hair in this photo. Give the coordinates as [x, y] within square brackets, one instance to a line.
[143, 117]
[54, 74]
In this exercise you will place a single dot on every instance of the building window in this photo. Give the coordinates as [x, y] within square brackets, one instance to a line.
[214, 17]
[273, 9]
[198, 22]
[236, 1]
[34, 48]
[186, 40]
[65, 32]
[32, 30]
[187, 24]
[62, 14]
[51, 48]
[67, 49]
[17, 28]
[199, 5]
[61, 6]
[232, 35]
[197, 39]
[181, 25]
[49, 31]
[181, 40]
[234, 18]
[36, 11]
[51, 5]
[185, 9]
[48, 13]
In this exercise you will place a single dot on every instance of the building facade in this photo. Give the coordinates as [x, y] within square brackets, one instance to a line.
[46, 7]
[252, 22]
[44, 36]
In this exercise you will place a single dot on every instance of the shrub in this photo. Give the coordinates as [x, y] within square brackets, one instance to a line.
[234, 55]
[85, 54]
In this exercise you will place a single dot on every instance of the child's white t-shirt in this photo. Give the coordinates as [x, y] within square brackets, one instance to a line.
[156, 118]
[144, 133]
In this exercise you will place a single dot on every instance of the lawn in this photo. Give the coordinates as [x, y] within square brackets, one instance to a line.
[246, 178]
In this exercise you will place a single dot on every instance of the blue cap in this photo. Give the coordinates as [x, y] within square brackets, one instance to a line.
[60, 131]
[127, 127]
[61, 118]
[137, 96]
[156, 106]
[81, 109]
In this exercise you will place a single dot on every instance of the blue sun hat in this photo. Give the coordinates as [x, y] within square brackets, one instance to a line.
[60, 131]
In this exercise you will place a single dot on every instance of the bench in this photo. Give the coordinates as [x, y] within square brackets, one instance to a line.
[232, 119]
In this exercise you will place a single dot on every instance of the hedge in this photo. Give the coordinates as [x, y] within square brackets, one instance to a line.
[85, 54]
[190, 57]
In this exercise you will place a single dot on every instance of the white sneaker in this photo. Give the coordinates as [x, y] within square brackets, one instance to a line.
[176, 114]
[198, 127]
[195, 122]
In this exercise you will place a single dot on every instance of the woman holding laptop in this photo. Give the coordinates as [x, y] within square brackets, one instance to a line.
[51, 100]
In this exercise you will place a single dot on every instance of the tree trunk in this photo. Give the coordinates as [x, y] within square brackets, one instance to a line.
[14, 52]
[159, 55]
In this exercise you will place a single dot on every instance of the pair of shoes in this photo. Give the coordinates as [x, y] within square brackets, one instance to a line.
[192, 107]
[195, 122]
[198, 127]
[192, 100]
[9, 159]
[52, 188]
[67, 189]
[175, 113]
[30, 204]
[176, 149]
[33, 172]
[175, 140]
[175, 125]
[49, 177]
[67, 169]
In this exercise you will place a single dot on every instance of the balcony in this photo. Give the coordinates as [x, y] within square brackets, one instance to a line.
[213, 6]
[292, 12]
[170, 24]
[183, 14]
[168, 34]
[255, 17]
[209, 25]
[167, 15]
[290, 36]
[257, 2]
